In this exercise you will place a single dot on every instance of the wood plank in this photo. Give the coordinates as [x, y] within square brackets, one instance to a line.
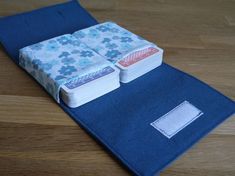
[38, 138]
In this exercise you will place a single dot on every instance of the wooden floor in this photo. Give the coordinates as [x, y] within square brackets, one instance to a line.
[38, 138]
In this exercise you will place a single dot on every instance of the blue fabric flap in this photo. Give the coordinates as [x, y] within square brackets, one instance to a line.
[28, 28]
[121, 120]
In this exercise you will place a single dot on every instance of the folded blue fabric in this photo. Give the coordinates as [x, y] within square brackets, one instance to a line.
[122, 119]
[28, 28]
[130, 121]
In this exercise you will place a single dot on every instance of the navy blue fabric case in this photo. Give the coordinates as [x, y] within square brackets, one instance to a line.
[121, 119]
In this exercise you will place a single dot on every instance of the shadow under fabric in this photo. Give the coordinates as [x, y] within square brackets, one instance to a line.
[121, 120]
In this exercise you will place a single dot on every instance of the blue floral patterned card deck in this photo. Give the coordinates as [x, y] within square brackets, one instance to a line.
[132, 54]
[62, 60]
[112, 41]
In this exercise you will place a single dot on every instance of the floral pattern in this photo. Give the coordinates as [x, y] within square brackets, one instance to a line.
[112, 54]
[68, 60]
[80, 34]
[84, 62]
[103, 28]
[46, 66]
[67, 70]
[36, 47]
[126, 39]
[63, 40]
[75, 42]
[111, 40]
[86, 54]
[36, 63]
[50, 88]
[51, 46]
[111, 45]
[59, 60]
[64, 54]
[93, 33]
[106, 40]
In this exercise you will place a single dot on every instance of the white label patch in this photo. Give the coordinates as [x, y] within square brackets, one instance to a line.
[177, 119]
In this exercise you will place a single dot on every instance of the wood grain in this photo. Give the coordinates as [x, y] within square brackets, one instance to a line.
[38, 138]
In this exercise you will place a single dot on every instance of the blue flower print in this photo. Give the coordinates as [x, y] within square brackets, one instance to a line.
[64, 55]
[40, 77]
[112, 53]
[33, 73]
[64, 40]
[22, 61]
[75, 42]
[50, 88]
[52, 41]
[59, 77]
[102, 28]
[93, 33]
[79, 34]
[54, 62]
[36, 47]
[109, 24]
[115, 37]
[75, 52]
[27, 62]
[36, 63]
[46, 66]
[86, 54]
[126, 39]
[111, 46]
[106, 40]
[51, 46]
[84, 62]
[48, 75]
[114, 30]
[67, 70]
[68, 60]
[126, 33]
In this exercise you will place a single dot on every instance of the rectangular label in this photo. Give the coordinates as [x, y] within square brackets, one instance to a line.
[177, 119]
